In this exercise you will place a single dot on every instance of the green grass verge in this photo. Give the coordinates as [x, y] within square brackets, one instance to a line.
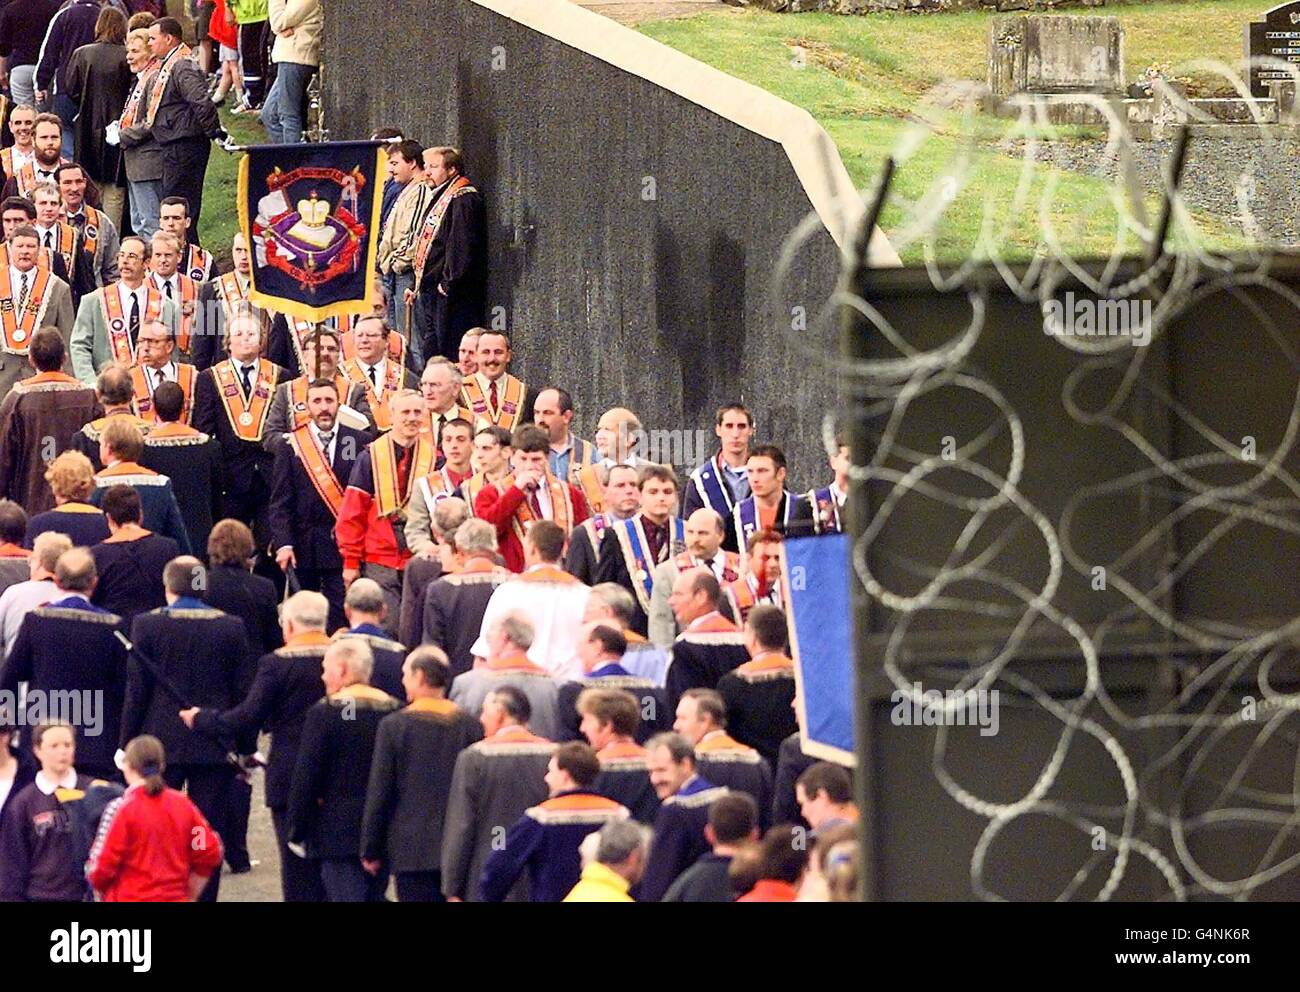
[862, 78]
[220, 219]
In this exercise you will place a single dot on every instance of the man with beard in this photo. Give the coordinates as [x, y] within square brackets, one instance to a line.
[47, 142]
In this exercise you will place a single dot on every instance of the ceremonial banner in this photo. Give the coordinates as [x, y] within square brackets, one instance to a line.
[310, 213]
[816, 581]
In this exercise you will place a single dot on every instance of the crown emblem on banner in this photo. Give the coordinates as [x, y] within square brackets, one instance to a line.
[313, 212]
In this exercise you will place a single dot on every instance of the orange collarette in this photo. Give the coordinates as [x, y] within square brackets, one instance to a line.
[515, 663]
[308, 639]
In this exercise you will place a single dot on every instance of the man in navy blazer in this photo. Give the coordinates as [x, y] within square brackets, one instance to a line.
[308, 479]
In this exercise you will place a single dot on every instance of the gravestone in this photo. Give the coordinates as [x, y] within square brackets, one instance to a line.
[1278, 36]
[1055, 54]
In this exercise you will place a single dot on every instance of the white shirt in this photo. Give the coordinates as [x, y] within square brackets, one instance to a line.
[380, 368]
[21, 158]
[239, 367]
[125, 293]
[42, 176]
[19, 600]
[47, 785]
[838, 494]
[16, 282]
[162, 284]
[555, 608]
[168, 371]
[52, 232]
[329, 449]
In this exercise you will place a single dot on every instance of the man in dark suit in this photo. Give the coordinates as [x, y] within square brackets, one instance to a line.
[365, 609]
[454, 605]
[287, 684]
[630, 550]
[232, 402]
[451, 256]
[68, 646]
[191, 459]
[308, 478]
[200, 654]
[289, 407]
[184, 121]
[221, 298]
[410, 779]
[328, 795]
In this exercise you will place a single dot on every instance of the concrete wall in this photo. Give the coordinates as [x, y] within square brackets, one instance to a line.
[633, 229]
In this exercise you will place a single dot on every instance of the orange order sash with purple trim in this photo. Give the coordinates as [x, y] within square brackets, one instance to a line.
[119, 335]
[247, 415]
[20, 319]
[561, 506]
[143, 400]
[510, 402]
[197, 263]
[187, 305]
[308, 451]
[392, 381]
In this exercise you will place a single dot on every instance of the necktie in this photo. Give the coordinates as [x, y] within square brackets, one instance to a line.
[134, 325]
[492, 394]
[162, 377]
[49, 240]
[168, 286]
[373, 381]
[245, 371]
[403, 467]
[22, 296]
[535, 504]
[326, 439]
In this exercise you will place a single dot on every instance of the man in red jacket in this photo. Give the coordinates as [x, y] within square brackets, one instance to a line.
[530, 494]
[371, 524]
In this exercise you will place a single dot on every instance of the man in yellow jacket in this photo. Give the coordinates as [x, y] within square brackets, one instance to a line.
[618, 863]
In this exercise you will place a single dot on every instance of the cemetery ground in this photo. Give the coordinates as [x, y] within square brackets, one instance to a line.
[863, 78]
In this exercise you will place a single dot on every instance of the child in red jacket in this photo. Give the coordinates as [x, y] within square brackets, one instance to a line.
[153, 843]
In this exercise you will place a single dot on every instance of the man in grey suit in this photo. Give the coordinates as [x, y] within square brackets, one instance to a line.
[40, 298]
[109, 319]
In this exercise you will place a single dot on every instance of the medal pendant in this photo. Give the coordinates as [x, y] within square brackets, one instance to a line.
[245, 418]
[20, 335]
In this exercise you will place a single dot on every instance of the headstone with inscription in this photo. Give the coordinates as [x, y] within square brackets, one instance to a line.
[1277, 36]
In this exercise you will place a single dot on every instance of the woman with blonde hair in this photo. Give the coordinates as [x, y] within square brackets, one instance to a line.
[72, 480]
[153, 843]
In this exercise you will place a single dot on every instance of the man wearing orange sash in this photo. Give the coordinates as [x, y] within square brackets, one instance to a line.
[440, 384]
[22, 125]
[158, 364]
[490, 461]
[467, 360]
[621, 497]
[289, 408]
[761, 582]
[373, 368]
[97, 237]
[450, 256]
[232, 402]
[445, 482]
[47, 141]
[16, 212]
[59, 240]
[493, 395]
[308, 481]
[571, 457]
[530, 494]
[31, 297]
[164, 272]
[220, 299]
[37, 419]
[371, 525]
[109, 319]
[174, 217]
